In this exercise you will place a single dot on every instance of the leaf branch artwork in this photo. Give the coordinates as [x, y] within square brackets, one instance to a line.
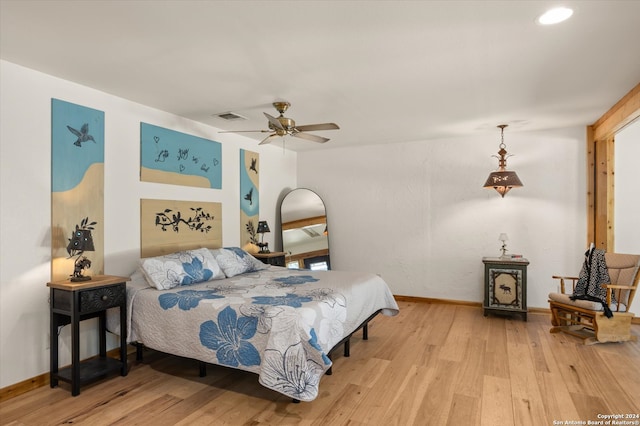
[197, 221]
[251, 230]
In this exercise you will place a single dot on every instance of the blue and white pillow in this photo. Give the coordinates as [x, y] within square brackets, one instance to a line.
[235, 261]
[181, 268]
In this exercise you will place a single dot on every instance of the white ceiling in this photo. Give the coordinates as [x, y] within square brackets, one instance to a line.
[385, 71]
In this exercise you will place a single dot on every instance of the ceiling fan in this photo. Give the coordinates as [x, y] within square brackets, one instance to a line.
[283, 126]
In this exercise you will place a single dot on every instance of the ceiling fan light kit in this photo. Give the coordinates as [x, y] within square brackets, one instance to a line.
[283, 126]
[502, 180]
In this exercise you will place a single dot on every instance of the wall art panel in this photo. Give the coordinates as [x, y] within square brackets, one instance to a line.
[249, 198]
[77, 183]
[167, 226]
[167, 156]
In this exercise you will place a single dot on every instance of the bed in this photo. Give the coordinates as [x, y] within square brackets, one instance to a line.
[279, 323]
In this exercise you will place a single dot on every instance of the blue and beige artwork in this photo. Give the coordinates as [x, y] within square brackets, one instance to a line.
[249, 196]
[167, 156]
[77, 181]
[77, 137]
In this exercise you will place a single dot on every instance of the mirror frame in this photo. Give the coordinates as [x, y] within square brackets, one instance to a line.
[313, 219]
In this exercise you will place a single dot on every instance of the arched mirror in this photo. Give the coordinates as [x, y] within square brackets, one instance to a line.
[305, 236]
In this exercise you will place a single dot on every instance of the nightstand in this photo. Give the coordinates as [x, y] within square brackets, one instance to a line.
[72, 302]
[505, 286]
[275, 258]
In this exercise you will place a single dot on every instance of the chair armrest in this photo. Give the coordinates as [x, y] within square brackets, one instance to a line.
[564, 277]
[623, 287]
[611, 287]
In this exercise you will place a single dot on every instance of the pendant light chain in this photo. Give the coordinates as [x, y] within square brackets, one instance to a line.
[502, 145]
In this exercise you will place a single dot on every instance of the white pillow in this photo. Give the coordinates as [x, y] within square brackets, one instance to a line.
[181, 268]
[235, 261]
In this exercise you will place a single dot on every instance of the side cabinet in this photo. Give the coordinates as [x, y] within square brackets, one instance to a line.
[505, 286]
[73, 302]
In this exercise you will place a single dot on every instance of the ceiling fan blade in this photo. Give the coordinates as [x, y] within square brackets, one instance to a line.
[322, 126]
[309, 137]
[244, 131]
[268, 139]
[274, 121]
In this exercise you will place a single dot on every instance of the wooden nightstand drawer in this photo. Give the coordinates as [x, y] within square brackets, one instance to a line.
[273, 258]
[102, 298]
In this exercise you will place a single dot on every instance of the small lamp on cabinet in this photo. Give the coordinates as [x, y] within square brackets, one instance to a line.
[263, 228]
[80, 241]
[504, 238]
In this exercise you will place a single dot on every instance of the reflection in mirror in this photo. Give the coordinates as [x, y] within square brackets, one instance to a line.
[305, 236]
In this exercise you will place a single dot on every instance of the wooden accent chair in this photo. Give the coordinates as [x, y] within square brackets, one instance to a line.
[586, 319]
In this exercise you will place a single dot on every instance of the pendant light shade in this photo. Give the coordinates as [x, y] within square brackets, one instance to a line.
[502, 180]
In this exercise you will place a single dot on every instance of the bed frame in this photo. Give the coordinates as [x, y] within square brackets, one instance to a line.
[202, 366]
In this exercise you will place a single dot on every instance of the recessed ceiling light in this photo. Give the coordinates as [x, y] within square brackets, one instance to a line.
[555, 16]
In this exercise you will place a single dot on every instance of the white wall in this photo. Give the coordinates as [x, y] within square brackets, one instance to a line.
[417, 214]
[25, 203]
[626, 222]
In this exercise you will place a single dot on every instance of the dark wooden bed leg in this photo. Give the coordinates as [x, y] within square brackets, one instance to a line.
[203, 368]
[365, 332]
[138, 351]
[347, 348]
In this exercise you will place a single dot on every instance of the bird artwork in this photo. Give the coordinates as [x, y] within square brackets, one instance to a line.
[249, 197]
[253, 167]
[83, 135]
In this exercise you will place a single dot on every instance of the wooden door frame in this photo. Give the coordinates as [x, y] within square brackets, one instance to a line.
[601, 168]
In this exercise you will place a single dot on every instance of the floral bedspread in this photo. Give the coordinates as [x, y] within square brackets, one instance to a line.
[278, 323]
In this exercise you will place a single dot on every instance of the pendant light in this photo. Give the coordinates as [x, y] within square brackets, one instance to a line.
[502, 180]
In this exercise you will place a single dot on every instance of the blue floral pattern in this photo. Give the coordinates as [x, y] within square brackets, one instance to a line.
[230, 338]
[181, 268]
[186, 299]
[235, 261]
[313, 341]
[296, 279]
[290, 299]
[195, 272]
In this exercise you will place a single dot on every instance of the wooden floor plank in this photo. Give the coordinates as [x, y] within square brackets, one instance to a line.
[497, 408]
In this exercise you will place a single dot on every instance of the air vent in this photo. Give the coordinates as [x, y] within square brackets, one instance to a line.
[230, 116]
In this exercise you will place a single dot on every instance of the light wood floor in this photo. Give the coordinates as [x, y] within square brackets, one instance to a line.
[433, 364]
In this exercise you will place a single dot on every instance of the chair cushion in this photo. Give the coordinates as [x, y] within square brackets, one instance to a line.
[584, 304]
[622, 271]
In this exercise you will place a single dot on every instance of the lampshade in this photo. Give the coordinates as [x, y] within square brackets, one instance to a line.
[502, 180]
[503, 237]
[81, 240]
[263, 227]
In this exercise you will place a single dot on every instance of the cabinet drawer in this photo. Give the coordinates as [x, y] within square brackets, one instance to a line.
[276, 261]
[101, 298]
